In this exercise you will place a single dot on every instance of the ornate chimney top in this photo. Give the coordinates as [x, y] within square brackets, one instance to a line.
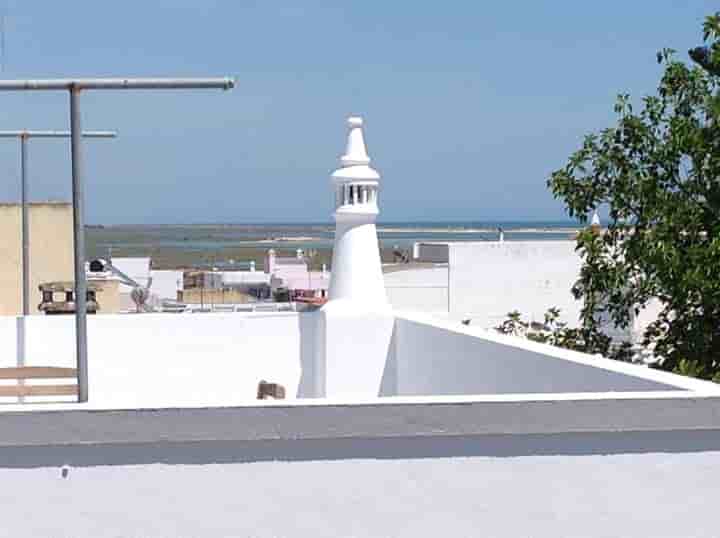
[356, 184]
[355, 153]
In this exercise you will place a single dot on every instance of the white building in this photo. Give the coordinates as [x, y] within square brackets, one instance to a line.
[484, 281]
[394, 423]
[294, 275]
[418, 288]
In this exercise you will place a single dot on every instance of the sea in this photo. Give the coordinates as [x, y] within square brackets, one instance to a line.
[194, 244]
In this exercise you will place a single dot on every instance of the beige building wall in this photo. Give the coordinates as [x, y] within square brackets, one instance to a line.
[51, 251]
[214, 296]
[108, 296]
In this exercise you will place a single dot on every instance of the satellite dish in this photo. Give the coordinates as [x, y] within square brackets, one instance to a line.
[97, 266]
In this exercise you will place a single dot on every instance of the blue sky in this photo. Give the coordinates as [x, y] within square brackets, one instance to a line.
[468, 105]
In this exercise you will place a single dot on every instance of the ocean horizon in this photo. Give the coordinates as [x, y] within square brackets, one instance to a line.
[195, 244]
[439, 223]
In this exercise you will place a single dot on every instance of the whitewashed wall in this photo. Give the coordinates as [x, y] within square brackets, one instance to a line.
[490, 279]
[441, 358]
[423, 289]
[187, 360]
[419, 298]
[169, 359]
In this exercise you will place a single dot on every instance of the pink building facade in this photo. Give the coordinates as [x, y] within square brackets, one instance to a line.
[292, 274]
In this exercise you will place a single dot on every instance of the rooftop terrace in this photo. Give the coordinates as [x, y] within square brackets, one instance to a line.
[156, 361]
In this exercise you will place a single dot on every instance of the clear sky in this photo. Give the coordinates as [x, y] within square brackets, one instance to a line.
[468, 105]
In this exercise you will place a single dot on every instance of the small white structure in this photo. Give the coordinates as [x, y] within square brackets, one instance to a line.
[356, 324]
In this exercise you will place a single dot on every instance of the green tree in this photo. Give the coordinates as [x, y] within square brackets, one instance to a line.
[658, 173]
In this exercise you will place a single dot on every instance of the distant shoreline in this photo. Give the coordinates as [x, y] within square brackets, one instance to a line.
[480, 225]
[178, 246]
[538, 230]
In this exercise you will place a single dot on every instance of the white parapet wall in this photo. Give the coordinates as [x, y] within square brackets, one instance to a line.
[171, 359]
[200, 360]
[435, 357]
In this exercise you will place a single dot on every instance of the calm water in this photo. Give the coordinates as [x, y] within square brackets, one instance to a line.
[176, 245]
[212, 236]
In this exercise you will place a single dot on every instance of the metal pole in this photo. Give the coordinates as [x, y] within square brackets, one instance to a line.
[24, 136]
[74, 86]
[25, 227]
[79, 244]
[22, 326]
[56, 134]
[448, 282]
[224, 83]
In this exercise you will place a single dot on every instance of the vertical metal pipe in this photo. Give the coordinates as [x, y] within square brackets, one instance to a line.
[22, 325]
[25, 227]
[79, 244]
[448, 281]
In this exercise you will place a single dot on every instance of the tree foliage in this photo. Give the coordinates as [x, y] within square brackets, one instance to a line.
[555, 332]
[658, 173]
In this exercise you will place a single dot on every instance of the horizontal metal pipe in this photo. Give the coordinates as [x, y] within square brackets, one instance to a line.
[56, 134]
[224, 83]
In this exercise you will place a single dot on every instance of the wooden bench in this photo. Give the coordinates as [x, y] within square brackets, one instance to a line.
[38, 372]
